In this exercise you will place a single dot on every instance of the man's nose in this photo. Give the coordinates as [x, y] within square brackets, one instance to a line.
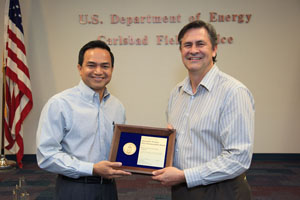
[98, 69]
[194, 49]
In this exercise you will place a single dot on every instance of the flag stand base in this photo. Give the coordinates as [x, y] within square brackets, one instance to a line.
[6, 164]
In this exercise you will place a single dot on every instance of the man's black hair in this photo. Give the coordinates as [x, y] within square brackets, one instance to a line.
[94, 44]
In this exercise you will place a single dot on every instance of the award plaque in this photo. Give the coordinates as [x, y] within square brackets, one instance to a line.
[142, 149]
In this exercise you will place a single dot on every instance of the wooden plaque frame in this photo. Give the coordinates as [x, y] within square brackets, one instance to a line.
[143, 130]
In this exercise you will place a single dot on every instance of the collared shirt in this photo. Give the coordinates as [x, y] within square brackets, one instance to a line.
[75, 130]
[214, 128]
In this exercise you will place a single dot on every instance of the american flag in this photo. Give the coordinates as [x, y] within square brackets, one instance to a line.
[17, 89]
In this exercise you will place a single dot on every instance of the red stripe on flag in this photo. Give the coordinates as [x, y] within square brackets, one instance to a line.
[20, 153]
[8, 136]
[16, 40]
[22, 86]
[13, 56]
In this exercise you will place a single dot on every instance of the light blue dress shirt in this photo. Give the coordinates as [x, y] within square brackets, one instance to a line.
[75, 130]
[214, 128]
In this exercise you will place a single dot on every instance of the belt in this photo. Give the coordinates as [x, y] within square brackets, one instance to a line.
[88, 179]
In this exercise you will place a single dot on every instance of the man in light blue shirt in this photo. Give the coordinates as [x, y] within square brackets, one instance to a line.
[213, 115]
[76, 128]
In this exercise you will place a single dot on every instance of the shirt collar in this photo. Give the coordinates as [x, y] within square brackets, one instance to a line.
[210, 78]
[89, 93]
[207, 82]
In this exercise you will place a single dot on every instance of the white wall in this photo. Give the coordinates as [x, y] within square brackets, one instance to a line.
[264, 56]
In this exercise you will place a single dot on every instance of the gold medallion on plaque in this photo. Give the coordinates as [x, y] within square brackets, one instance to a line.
[129, 148]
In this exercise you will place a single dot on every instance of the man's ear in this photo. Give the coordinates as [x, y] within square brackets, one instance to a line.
[215, 51]
[79, 67]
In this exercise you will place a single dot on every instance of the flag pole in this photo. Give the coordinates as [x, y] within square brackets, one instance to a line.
[4, 163]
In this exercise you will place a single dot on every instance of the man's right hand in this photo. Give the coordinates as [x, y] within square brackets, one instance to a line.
[106, 169]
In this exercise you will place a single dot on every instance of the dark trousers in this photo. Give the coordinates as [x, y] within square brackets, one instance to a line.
[68, 189]
[233, 189]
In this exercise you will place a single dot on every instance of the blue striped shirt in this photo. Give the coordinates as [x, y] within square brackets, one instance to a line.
[214, 128]
[75, 130]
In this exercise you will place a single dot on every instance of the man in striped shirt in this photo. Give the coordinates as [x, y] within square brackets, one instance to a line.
[213, 115]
